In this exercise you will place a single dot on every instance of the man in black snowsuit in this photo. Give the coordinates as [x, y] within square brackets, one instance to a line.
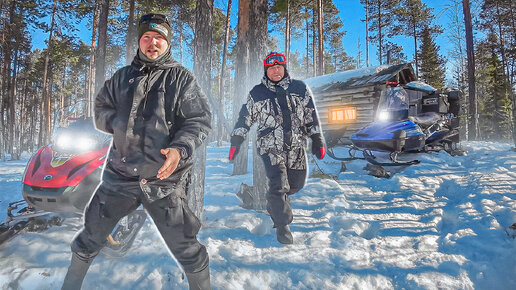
[158, 116]
[286, 115]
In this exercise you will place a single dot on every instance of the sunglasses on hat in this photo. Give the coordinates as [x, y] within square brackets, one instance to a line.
[154, 18]
[274, 58]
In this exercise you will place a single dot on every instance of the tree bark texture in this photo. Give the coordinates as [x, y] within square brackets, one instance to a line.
[367, 32]
[130, 40]
[473, 117]
[320, 50]
[46, 99]
[242, 83]
[91, 78]
[222, 73]
[202, 70]
[258, 42]
[380, 46]
[287, 33]
[100, 68]
[314, 37]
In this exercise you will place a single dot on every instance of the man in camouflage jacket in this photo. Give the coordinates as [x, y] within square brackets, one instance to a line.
[286, 115]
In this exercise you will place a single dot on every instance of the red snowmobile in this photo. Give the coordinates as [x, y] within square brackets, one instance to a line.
[62, 177]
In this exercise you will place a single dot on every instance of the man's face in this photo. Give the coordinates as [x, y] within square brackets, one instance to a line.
[153, 44]
[276, 72]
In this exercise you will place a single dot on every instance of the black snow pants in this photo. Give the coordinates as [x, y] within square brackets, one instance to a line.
[283, 181]
[115, 199]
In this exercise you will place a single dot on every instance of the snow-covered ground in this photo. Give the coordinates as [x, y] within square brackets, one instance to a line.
[440, 224]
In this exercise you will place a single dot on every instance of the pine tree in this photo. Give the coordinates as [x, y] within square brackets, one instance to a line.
[494, 104]
[412, 17]
[381, 24]
[394, 53]
[338, 59]
[432, 65]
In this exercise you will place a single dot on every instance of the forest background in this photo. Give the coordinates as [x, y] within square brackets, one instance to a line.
[56, 54]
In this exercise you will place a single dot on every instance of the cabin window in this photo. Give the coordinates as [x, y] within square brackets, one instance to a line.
[345, 114]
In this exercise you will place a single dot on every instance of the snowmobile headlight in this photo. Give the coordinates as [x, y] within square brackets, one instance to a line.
[383, 116]
[86, 143]
[64, 141]
[75, 144]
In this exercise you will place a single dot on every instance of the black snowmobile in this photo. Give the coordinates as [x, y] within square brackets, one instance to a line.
[61, 178]
[433, 127]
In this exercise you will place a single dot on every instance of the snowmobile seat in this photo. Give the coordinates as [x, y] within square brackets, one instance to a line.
[425, 120]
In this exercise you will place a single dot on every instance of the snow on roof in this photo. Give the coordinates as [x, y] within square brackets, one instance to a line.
[421, 86]
[343, 76]
[358, 77]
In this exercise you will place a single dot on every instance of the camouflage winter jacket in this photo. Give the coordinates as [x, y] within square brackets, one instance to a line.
[285, 114]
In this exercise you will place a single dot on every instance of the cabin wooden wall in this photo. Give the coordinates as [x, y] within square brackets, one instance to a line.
[364, 99]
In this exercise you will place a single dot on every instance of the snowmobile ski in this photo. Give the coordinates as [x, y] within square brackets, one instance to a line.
[123, 236]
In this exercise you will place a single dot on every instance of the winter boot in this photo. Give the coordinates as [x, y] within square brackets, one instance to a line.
[284, 235]
[199, 280]
[76, 271]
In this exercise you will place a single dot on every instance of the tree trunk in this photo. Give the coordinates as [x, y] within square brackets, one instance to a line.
[100, 58]
[62, 104]
[24, 117]
[46, 99]
[287, 33]
[314, 37]
[223, 70]
[307, 43]
[258, 39]
[50, 104]
[12, 109]
[202, 70]
[501, 38]
[9, 81]
[320, 23]
[242, 84]
[367, 33]
[473, 118]
[41, 135]
[91, 79]
[258, 42]
[380, 33]
[415, 49]
[181, 36]
[130, 39]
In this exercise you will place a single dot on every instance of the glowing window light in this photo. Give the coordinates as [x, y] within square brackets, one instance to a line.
[343, 114]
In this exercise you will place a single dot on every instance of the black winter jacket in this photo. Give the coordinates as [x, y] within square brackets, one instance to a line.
[148, 107]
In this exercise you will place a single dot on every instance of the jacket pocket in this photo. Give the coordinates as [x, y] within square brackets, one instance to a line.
[192, 223]
[265, 132]
[174, 211]
[266, 139]
[178, 214]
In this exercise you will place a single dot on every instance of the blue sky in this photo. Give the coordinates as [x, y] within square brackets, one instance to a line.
[351, 13]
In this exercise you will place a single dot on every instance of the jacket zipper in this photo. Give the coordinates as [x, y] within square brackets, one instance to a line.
[146, 90]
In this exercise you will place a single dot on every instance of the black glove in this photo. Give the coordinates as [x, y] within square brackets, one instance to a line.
[318, 145]
[236, 141]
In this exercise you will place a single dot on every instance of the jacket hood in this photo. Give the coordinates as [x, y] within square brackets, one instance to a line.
[284, 82]
[163, 62]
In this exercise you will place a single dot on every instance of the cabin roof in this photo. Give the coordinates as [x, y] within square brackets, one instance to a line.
[369, 76]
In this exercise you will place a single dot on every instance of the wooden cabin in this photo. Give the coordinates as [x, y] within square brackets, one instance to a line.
[347, 101]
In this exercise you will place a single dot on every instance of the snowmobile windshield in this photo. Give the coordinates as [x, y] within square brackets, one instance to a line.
[393, 105]
[80, 136]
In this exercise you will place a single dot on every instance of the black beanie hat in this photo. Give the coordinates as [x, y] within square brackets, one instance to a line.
[155, 22]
